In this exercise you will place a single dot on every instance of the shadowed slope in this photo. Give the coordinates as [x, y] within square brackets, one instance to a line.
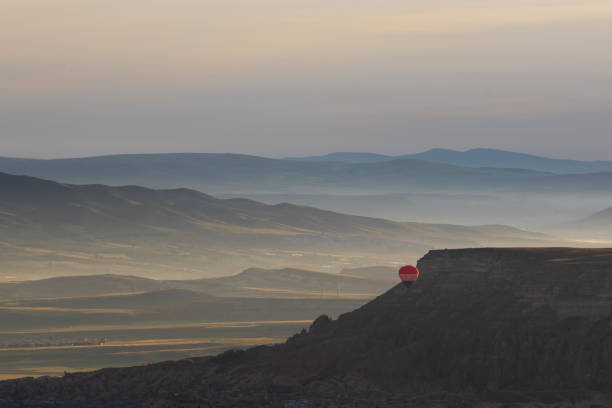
[50, 228]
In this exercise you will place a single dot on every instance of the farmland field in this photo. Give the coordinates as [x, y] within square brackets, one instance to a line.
[50, 336]
[129, 345]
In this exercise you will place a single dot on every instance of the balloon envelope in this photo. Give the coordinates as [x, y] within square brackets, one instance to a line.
[408, 274]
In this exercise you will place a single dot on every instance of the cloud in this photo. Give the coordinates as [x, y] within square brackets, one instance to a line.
[275, 75]
[480, 15]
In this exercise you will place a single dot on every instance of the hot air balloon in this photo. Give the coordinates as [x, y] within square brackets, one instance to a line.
[408, 274]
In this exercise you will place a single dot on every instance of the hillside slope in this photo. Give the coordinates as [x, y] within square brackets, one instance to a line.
[253, 282]
[72, 286]
[35, 206]
[289, 282]
[166, 308]
[601, 219]
[509, 325]
[594, 228]
[402, 189]
[53, 229]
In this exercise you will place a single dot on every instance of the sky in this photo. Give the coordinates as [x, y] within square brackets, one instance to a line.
[298, 77]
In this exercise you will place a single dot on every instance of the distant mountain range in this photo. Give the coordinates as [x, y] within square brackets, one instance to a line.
[408, 189]
[75, 229]
[232, 172]
[223, 173]
[492, 158]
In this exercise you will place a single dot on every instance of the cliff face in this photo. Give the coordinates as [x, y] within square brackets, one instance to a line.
[572, 282]
[477, 320]
[490, 319]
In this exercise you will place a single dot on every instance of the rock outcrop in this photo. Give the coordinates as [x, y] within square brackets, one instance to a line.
[479, 322]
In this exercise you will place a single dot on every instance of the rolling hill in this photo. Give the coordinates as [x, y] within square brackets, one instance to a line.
[289, 283]
[53, 325]
[601, 219]
[167, 306]
[65, 229]
[595, 227]
[253, 282]
[45, 208]
[76, 286]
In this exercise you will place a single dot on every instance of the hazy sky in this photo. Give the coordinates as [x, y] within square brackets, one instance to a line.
[293, 77]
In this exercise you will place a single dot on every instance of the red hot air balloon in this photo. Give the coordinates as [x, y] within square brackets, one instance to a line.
[408, 274]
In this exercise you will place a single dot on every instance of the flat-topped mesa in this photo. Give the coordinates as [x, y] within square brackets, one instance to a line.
[564, 282]
[573, 282]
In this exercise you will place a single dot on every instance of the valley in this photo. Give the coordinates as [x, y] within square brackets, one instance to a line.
[54, 229]
[78, 323]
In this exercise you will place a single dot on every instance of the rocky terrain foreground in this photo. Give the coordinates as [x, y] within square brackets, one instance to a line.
[481, 327]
